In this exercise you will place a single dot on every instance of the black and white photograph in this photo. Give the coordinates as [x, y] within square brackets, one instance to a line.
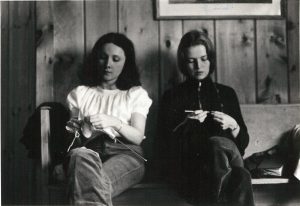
[150, 102]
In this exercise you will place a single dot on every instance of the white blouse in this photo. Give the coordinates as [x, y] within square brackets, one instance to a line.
[84, 101]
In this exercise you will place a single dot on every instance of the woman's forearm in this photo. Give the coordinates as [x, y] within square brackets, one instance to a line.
[130, 133]
[135, 131]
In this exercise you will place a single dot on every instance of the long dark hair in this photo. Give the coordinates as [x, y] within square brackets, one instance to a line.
[129, 76]
[193, 38]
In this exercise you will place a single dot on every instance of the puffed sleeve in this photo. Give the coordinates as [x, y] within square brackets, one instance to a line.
[139, 101]
[74, 99]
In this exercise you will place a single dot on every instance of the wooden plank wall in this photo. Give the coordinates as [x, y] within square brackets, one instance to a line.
[252, 55]
[17, 98]
[258, 57]
[236, 57]
[293, 53]
[272, 62]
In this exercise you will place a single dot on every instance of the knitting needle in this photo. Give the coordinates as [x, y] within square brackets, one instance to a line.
[131, 149]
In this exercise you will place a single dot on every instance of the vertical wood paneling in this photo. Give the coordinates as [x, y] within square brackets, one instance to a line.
[2, 30]
[20, 99]
[68, 21]
[206, 26]
[293, 51]
[236, 57]
[4, 101]
[170, 35]
[272, 62]
[26, 100]
[4, 69]
[44, 52]
[101, 18]
[136, 21]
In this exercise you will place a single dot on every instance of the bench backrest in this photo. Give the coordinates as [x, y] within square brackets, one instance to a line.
[268, 123]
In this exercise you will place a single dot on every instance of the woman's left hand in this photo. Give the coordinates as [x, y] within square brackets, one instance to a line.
[224, 120]
[101, 121]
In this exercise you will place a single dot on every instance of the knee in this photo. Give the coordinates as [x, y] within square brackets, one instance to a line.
[217, 141]
[78, 152]
[222, 146]
[82, 157]
[222, 143]
[82, 153]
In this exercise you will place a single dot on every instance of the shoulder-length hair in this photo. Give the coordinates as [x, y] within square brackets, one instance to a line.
[129, 76]
[193, 38]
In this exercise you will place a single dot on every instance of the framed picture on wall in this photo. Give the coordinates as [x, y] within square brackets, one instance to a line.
[197, 9]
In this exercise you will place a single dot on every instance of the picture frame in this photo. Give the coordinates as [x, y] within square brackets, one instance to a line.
[219, 9]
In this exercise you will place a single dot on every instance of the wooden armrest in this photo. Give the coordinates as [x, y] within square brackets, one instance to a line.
[45, 137]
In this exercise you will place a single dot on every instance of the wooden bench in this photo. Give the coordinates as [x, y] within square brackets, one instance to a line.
[267, 124]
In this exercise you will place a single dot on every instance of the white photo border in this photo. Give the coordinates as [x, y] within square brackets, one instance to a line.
[166, 10]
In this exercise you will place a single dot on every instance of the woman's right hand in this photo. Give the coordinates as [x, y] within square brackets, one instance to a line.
[73, 125]
[199, 115]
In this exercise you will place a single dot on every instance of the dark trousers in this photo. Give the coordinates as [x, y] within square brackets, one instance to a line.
[216, 173]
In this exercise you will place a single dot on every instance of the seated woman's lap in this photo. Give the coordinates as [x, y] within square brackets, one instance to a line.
[122, 170]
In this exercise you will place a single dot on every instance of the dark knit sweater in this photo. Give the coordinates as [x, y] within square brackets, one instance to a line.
[214, 97]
